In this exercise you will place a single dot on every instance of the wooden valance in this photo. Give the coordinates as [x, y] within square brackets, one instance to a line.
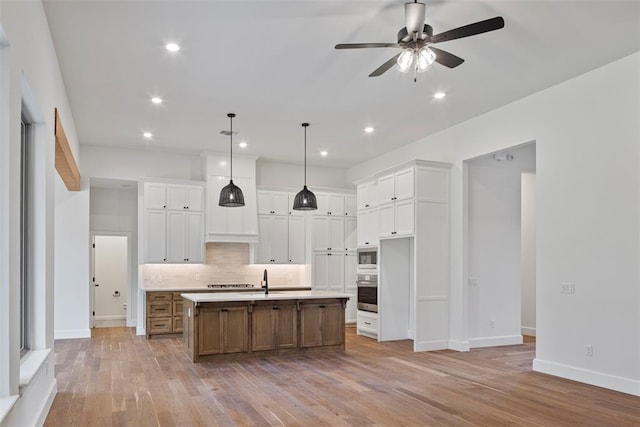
[65, 163]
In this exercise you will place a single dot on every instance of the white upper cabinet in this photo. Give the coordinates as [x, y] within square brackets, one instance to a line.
[155, 195]
[396, 186]
[329, 234]
[351, 206]
[332, 204]
[367, 195]
[281, 235]
[173, 222]
[185, 197]
[273, 203]
[368, 228]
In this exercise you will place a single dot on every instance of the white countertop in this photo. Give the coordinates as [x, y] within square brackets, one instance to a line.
[260, 296]
[152, 288]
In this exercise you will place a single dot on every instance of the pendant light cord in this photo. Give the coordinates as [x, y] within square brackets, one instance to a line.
[305, 156]
[231, 151]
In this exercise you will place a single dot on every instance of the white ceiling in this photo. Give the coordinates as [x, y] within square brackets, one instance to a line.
[273, 64]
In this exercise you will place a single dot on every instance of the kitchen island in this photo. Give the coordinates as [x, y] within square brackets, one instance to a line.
[249, 323]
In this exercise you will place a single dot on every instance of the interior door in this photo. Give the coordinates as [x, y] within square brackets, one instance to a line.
[110, 293]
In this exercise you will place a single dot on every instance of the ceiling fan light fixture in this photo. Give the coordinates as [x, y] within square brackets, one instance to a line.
[405, 60]
[231, 195]
[426, 58]
[305, 200]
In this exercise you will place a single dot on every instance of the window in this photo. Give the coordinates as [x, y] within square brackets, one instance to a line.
[25, 156]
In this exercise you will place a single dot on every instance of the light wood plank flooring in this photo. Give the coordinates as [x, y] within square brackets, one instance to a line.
[120, 379]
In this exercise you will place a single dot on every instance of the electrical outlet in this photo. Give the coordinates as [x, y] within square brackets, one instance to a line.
[567, 288]
[197, 276]
[588, 350]
[492, 323]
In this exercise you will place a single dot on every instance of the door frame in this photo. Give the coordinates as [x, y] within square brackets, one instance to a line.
[130, 291]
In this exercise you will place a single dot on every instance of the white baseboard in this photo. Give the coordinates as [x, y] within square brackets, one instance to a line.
[525, 330]
[109, 323]
[495, 341]
[459, 345]
[431, 345]
[66, 334]
[53, 390]
[599, 379]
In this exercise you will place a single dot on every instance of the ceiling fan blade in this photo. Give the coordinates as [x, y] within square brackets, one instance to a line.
[365, 45]
[469, 30]
[386, 66]
[445, 58]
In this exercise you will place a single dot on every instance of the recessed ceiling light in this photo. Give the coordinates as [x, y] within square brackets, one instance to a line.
[242, 144]
[148, 135]
[439, 95]
[156, 100]
[369, 129]
[223, 163]
[172, 47]
[324, 153]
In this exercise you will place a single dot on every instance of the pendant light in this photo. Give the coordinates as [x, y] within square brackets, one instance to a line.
[305, 200]
[231, 195]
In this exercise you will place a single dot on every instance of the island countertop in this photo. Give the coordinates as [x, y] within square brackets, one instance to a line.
[260, 296]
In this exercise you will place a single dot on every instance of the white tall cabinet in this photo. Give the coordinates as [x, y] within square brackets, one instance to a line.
[173, 222]
[334, 244]
[281, 230]
[410, 205]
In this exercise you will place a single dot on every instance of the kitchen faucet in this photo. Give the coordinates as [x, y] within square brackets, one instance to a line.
[266, 282]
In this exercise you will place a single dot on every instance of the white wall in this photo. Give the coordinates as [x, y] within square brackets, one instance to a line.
[130, 164]
[28, 59]
[528, 254]
[586, 132]
[288, 176]
[494, 203]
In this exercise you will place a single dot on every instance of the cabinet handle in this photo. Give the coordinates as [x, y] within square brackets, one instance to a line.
[223, 309]
[289, 260]
[322, 306]
[366, 206]
[164, 259]
[160, 324]
[164, 206]
[275, 308]
[329, 254]
[367, 323]
[366, 243]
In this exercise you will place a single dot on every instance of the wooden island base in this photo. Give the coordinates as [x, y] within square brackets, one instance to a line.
[262, 326]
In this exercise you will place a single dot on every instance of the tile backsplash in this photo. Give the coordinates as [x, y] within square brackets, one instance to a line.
[224, 263]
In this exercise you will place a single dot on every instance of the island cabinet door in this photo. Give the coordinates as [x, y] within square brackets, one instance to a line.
[274, 327]
[311, 325]
[286, 326]
[235, 329]
[223, 330]
[321, 324]
[263, 326]
[210, 331]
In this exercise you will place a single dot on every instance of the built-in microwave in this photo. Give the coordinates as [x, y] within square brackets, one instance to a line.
[367, 258]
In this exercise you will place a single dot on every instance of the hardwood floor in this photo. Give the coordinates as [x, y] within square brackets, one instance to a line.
[120, 379]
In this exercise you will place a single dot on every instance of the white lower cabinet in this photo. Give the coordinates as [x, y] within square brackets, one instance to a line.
[367, 324]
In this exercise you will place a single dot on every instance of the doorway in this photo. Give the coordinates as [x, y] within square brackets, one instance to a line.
[110, 279]
[500, 246]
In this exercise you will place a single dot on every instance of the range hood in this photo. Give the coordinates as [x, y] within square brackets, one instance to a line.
[231, 224]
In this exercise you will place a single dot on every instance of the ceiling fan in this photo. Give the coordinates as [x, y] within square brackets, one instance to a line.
[416, 40]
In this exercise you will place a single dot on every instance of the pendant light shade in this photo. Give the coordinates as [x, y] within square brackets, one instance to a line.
[305, 200]
[231, 195]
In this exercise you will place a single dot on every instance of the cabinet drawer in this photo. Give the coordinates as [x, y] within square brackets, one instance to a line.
[177, 324]
[368, 323]
[158, 296]
[159, 309]
[176, 296]
[160, 326]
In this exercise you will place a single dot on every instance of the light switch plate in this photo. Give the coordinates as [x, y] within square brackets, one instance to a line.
[567, 288]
